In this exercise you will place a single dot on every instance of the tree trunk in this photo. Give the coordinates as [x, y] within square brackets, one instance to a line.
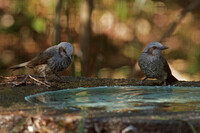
[57, 22]
[85, 35]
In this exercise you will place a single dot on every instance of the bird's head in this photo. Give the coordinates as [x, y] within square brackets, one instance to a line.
[154, 48]
[65, 49]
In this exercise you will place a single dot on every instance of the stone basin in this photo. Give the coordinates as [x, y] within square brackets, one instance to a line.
[121, 99]
[98, 105]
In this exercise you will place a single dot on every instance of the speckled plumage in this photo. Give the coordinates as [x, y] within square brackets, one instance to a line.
[154, 65]
[51, 61]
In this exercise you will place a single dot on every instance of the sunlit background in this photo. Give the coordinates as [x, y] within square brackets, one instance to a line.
[107, 35]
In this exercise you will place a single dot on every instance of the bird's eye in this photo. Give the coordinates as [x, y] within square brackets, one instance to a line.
[154, 47]
[64, 51]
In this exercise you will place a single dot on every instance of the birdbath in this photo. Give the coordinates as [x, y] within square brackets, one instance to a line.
[101, 104]
[121, 98]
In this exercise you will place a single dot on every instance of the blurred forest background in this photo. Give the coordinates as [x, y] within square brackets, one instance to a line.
[107, 35]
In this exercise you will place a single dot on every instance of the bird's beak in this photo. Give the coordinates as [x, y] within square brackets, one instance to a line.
[163, 47]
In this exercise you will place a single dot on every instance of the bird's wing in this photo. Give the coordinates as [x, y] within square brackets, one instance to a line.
[170, 78]
[166, 66]
[42, 58]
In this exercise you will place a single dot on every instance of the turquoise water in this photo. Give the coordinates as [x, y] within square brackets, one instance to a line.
[126, 98]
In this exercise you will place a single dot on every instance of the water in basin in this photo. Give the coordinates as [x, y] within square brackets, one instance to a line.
[118, 98]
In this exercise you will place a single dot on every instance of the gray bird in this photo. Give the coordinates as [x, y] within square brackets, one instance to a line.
[154, 65]
[51, 61]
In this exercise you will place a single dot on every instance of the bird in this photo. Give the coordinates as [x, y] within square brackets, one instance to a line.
[51, 61]
[154, 65]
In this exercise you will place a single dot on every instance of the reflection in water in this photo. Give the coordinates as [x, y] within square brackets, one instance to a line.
[126, 98]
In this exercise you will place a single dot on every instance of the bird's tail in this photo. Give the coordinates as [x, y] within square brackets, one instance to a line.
[171, 79]
[22, 65]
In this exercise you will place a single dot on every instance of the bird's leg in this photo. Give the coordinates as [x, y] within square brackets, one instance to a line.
[141, 82]
[58, 76]
[26, 78]
[45, 79]
[61, 79]
[165, 81]
[164, 84]
[22, 83]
